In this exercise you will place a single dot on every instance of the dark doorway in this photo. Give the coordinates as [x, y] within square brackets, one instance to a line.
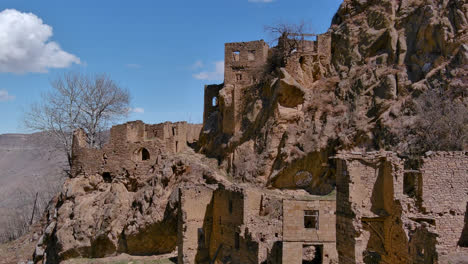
[145, 155]
[106, 176]
[312, 254]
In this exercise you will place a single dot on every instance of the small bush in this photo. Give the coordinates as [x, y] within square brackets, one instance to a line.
[441, 122]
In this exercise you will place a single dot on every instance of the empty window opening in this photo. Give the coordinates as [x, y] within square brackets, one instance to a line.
[177, 146]
[236, 55]
[311, 219]
[174, 130]
[411, 184]
[230, 206]
[145, 155]
[251, 55]
[214, 101]
[237, 240]
[201, 238]
[239, 77]
[106, 176]
[312, 254]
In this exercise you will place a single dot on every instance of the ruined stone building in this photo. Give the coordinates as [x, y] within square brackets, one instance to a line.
[251, 225]
[244, 65]
[131, 144]
[396, 210]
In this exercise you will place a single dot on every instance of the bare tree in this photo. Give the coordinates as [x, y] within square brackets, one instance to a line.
[289, 36]
[78, 101]
[290, 39]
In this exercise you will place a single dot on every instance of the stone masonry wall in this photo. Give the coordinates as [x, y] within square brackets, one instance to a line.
[242, 59]
[390, 212]
[296, 236]
[445, 196]
[131, 144]
[194, 224]
[228, 232]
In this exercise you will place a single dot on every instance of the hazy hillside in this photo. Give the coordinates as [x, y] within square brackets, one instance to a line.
[28, 164]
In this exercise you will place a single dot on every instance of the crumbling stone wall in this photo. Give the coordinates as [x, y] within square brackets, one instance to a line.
[230, 236]
[120, 198]
[245, 64]
[445, 196]
[241, 224]
[176, 135]
[242, 59]
[132, 150]
[391, 213]
[297, 236]
[310, 61]
[211, 105]
[131, 141]
[194, 224]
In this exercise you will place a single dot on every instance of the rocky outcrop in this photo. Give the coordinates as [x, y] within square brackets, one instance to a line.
[357, 90]
[122, 198]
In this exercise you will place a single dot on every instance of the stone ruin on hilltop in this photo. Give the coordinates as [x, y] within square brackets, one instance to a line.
[385, 208]
[291, 165]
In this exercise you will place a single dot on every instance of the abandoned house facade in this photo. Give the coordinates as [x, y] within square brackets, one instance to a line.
[251, 225]
[401, 210]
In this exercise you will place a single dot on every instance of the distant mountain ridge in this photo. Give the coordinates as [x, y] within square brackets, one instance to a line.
[29, 164]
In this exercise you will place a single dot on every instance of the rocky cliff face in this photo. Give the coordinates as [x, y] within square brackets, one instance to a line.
[362, 94]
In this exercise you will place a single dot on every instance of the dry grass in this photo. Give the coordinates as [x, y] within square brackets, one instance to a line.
[127, 259]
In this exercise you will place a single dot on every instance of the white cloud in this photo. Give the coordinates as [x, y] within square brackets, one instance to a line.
[198, 64]
[216, 75]
[4, 96]
[25, 45]
[133, 65]
[261, 1]
[138, 110]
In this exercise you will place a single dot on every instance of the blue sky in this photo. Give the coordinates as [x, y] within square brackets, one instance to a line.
[164, 52]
